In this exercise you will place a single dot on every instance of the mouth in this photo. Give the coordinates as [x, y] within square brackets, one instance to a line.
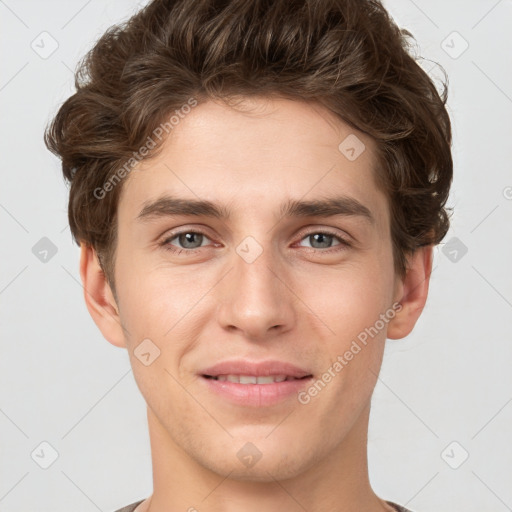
[254, 379]
[256, 391]
[245, 371]
[255, 383]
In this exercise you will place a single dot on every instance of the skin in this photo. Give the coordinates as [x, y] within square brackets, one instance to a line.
[292, 303]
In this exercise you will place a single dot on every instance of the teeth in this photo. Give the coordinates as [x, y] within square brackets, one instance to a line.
[246, 379]
[252, 379]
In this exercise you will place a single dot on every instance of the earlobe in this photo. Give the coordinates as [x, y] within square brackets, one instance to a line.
[99, 298]
[413, 292]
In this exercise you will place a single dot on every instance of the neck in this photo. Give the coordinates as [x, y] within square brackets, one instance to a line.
[338, 482]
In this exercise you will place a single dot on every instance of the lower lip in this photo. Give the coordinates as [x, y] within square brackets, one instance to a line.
[257, 395]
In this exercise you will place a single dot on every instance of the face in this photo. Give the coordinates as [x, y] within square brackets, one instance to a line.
[261, 282]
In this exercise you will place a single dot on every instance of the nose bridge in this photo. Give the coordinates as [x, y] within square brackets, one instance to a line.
[254, 300]
[253, 265]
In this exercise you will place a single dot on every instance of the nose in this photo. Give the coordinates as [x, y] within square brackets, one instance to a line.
[256, 298]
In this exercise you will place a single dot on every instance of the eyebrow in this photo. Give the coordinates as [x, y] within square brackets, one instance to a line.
[168, 206]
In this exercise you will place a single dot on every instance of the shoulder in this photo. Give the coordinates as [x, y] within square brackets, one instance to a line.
[130, 508]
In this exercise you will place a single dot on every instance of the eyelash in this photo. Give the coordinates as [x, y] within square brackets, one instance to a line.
[343, 243]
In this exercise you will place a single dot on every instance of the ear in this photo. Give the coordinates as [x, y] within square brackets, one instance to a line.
[411, 293]
[99, 298]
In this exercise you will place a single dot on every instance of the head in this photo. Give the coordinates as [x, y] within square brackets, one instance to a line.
[258, 107]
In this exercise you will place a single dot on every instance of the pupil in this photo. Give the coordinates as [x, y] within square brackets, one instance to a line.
[322, 236]
[186, 240]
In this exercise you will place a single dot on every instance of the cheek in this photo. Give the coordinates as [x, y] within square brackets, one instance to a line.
[155, 299]
[168, 309]
[350, 304]
[349, 298]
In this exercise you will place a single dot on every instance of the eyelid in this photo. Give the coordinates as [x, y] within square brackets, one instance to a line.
[310, 230]
[197, 228]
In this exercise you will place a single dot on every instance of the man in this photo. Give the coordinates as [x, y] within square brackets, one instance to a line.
[257, 188]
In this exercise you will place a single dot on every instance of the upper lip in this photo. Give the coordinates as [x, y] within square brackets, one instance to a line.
[256, 368]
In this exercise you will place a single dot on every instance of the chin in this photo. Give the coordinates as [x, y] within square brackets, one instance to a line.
[263, 471]
[258, 460]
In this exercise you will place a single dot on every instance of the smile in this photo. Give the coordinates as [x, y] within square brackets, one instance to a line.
[253, 379]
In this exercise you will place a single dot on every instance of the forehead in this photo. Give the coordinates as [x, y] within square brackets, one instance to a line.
[258, 156]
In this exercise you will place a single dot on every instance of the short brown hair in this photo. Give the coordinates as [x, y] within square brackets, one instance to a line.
[347, 55]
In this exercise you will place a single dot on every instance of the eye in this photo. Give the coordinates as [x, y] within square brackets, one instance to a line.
[189, 241]
[322, 240]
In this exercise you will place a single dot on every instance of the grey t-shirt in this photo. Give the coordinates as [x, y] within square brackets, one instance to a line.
[133, 506]
[130, 508]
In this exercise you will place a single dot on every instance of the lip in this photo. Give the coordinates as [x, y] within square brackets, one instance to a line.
[256, 395]
[257, 368]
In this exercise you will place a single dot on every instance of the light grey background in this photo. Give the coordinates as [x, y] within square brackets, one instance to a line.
[449, 381]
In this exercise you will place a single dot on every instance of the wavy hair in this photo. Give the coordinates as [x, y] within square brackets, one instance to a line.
[347, 55]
